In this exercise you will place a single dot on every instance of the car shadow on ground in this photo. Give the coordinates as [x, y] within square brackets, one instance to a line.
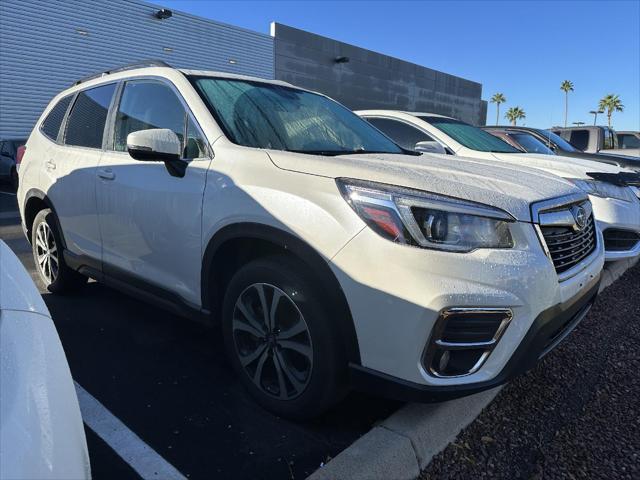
[167, 378]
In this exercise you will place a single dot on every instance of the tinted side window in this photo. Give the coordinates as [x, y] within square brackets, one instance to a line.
[580, 139]
[628, 141]
[404, 135]
[85, 127]
[608, 139]
[51, 125]
[147, 104]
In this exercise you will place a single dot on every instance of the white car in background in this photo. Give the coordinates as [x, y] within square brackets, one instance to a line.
[41, 431]
[616, 207]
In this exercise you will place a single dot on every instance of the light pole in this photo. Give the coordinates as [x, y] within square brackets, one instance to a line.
[595, 114]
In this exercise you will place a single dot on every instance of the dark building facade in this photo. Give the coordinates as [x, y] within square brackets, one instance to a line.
[363, 79]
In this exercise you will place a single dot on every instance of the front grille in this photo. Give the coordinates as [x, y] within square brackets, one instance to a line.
[616, 240]
[567, 246]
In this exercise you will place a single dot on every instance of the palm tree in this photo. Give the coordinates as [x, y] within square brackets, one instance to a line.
[566, 87]
[498, 98]
[514, 114]
[611, 103]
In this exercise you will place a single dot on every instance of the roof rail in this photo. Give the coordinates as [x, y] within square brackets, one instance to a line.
[130, 66]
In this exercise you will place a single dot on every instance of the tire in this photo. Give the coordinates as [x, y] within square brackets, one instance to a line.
[14, 179]
[47, 255]
[301, 344]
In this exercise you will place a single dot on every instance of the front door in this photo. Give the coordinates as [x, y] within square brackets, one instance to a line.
[150, 221]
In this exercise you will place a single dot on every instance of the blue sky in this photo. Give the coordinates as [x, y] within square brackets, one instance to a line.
[522, 49]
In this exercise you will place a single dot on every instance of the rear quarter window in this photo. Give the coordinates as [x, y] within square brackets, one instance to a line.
[51, 125]
[85, 127]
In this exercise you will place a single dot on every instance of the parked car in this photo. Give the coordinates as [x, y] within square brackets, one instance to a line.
[8, 163]
[628, 140]
[331, 256]
[615, 205]
[595, 139]
[41, 431]
[561, 147]
[523, 141]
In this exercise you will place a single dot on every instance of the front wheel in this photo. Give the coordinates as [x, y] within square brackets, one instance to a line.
[47, 255]
[280, 339]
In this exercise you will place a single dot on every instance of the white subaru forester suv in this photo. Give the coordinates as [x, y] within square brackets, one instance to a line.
[331, 256]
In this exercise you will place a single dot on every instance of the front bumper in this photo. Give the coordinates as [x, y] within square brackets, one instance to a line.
[547, 331]
[616, 214]
[396, 294]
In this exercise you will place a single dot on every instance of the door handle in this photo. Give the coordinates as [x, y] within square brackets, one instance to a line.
[106, 174]
[50, 165]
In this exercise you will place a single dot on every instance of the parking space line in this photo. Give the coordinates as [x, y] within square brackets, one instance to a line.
[135, 452]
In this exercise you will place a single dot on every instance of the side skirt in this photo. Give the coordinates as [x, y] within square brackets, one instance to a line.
[136, 287]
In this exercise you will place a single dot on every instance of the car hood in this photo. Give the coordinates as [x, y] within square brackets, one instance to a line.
[566, 167]
[17, 290]
[490, 183]
[633, 153]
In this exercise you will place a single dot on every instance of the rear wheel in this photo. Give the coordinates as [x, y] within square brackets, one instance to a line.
[280, 339]
[47, 255]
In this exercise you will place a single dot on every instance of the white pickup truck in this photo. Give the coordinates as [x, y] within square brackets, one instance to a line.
[595, 139]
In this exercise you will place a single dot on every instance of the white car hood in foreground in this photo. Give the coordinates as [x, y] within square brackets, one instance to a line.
[489, 183]
[566, 167]
[41, 431]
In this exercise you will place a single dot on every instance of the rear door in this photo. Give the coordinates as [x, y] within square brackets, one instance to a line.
[150, 221]
[70, 170]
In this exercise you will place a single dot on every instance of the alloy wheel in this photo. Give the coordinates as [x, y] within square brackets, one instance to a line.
[46, 252]
[272, 341]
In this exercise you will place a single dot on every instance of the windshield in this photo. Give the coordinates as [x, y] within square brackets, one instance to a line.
[531, 144]
[470, 136]
[561, 143]
[263, 115]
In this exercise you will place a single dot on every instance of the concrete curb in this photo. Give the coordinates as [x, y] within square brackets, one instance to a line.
[401, 446]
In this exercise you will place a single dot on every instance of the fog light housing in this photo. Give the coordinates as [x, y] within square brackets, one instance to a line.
[463, 339]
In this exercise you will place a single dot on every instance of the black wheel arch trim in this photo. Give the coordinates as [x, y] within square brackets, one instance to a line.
[303, 251]
[39, 194]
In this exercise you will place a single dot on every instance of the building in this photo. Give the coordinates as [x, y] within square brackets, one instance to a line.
[47, 45]
[362, 79]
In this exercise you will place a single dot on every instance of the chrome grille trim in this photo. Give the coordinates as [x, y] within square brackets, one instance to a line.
[569, 248]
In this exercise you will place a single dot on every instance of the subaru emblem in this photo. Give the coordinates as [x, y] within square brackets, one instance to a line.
[580, 217]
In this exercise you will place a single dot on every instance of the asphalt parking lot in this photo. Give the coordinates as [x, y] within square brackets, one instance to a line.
[576, 415]
[167, 380]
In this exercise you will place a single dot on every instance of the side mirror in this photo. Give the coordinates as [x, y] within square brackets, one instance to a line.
[154, 145]
[430, 147]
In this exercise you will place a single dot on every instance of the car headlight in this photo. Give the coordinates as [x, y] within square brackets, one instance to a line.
[604, 189]
[427, 220]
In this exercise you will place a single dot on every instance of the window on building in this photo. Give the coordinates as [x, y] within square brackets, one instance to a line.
[404, 135]
[85, 127]
[580, 139]
[148, 104]
[51, 125]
